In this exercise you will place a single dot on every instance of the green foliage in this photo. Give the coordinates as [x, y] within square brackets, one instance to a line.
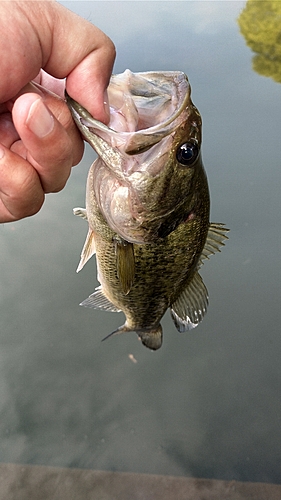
[260, 24]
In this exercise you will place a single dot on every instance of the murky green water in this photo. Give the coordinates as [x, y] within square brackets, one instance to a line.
[207, 404]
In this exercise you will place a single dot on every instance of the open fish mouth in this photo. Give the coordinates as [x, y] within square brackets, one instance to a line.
[144, 108]
[148, 205]
[134, 180]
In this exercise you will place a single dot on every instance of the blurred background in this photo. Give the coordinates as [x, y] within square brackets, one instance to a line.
[207, 404]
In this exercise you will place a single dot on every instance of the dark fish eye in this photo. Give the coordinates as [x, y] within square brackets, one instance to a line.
[187, 153]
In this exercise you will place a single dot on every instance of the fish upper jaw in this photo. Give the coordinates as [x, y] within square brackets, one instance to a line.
[133, 207]
[137, 197]
[132, 174]
[144, 108]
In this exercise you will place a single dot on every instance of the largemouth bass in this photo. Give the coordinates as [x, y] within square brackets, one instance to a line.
[147, 204]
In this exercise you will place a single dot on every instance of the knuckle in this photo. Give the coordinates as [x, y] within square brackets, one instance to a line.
[25, 205]
[34, 206]
[111, 48]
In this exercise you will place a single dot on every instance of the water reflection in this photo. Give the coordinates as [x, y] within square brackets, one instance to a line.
[260, 24]
[207, 403]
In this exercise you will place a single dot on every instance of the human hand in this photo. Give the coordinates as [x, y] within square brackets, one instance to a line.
[39, 142]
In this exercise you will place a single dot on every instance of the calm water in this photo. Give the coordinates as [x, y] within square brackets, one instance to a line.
[207, 404]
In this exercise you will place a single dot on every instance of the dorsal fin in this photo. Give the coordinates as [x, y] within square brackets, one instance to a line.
[190, 307]
[217, 233]
[125, 260]
[98, 300]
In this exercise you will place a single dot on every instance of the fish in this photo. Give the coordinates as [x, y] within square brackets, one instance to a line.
[148, 204]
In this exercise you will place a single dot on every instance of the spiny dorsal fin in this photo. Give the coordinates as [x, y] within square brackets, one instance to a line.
[217, 233]
[125, 260]
[81, 212]
[98, 300]
[88, 250]
[190, 307]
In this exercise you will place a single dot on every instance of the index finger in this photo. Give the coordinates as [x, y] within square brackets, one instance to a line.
[62, 43]
[85, 56]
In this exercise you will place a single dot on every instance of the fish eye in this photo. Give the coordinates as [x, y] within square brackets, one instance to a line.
[187, 153]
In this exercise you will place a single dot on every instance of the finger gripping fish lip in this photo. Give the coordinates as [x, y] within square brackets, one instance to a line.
[147, 205]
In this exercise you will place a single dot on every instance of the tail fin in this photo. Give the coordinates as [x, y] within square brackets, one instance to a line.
[151, 338]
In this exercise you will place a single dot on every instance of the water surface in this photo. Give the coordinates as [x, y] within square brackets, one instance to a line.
[207, 404]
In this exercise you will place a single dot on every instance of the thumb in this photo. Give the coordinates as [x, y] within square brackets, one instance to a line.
[60, 42]
[89, 62]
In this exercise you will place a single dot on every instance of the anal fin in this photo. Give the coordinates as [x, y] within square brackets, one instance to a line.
[98, 300]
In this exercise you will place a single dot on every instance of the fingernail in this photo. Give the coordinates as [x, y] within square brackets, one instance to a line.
[39, 119]
[106, 104]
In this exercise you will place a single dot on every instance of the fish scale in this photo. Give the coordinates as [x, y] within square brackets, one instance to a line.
[147, 206]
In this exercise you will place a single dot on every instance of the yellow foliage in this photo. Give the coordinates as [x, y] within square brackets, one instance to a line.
[260, 24]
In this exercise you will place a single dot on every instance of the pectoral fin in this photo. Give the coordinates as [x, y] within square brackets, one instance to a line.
[190, 307]
[125, 260]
